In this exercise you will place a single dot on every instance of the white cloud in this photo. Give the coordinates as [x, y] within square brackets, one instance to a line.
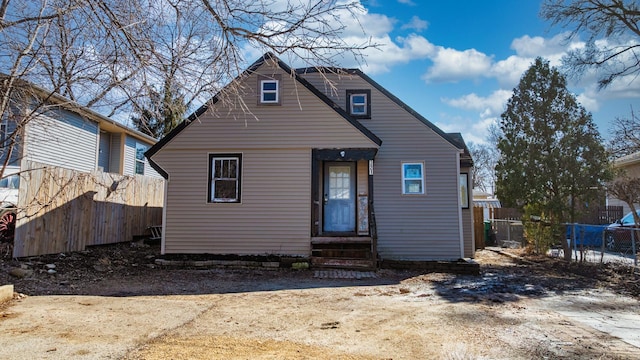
[451, 65]
[416, 24]
[532, 47]
[401, 51]
[509, 71]
[589, 103]
[491, 105]
[476, 133]
[364, 24]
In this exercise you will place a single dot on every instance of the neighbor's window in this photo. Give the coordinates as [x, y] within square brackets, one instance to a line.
[413, 178]
[224, 177]
[3, 133]
[10, 182]
[140, 150]
[359, 103]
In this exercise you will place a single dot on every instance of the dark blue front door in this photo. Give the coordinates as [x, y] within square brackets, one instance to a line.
[339, 197]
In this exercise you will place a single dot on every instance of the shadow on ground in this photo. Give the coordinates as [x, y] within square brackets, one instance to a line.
[123, 270]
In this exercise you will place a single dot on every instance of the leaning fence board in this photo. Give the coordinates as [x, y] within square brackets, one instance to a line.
[62, 210]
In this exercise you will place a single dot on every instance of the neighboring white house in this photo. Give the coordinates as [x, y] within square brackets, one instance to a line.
[68, 135]
[631, 166]
[486, 201]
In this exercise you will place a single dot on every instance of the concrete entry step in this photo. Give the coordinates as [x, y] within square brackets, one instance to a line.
[343, 274]
[342, 263]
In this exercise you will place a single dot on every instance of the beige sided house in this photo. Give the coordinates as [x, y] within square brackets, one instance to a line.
[345, 176]
[630, 164]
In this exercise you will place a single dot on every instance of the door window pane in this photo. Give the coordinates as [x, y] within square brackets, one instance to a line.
[339, 182]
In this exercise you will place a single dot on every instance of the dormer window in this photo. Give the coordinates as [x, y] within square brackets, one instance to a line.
[359, 103]
[269, 90]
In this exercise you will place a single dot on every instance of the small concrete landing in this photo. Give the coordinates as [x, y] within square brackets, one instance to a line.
[342, 263]
[343, 274]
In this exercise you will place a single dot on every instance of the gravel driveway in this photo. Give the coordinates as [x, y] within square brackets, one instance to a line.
[513, 310]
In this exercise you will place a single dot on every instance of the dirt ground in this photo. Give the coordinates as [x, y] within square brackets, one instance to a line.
[114, 303]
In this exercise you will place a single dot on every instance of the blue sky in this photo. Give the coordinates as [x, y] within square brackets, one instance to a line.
[456, 62]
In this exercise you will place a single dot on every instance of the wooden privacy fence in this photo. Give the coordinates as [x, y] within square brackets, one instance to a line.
[478, 227]
[62, 210]
[493, 213]
[601, 215]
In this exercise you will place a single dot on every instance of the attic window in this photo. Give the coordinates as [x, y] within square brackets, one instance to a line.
[269, 90]
[359, 103]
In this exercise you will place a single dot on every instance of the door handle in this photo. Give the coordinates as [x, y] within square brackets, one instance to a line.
[326, 199]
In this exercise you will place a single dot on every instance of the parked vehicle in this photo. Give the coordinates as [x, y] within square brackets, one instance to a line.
[619, 236]
[585, 235]
[9, 185]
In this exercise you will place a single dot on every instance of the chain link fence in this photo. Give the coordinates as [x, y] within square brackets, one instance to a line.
[603, 243]
[505, 233]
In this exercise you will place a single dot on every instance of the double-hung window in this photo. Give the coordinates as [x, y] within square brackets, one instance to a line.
[140, 150]
[224, 178]
[269, 90]
[359, 103]
[412, 178]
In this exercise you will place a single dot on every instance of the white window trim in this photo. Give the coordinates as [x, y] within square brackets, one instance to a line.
[352, 104]
[141, 161]
[212, 179]
[422, 177]
[263, 91]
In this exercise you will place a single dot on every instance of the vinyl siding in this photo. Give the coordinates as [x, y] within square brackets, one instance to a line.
[4, 149]
[62, 138]
[410, 227]
[467, 219]
[130, 158]
[631, 170]
[274, 216]
[302, 120]
[115, 160]
[104, 151]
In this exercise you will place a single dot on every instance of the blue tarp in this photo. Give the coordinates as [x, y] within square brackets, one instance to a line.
[586, 235]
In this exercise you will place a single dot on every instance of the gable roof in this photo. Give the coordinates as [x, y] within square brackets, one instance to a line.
[630, 159]
[465, 157]
[105, 123]
[268, 56]
[386, 92]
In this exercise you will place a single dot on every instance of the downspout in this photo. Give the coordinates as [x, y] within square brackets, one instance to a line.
[164, 218]
[97, 159]
[123, 139]
[460, 227]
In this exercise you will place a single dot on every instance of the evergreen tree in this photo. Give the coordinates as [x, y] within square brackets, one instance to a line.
[164, 111]
[551, 155]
